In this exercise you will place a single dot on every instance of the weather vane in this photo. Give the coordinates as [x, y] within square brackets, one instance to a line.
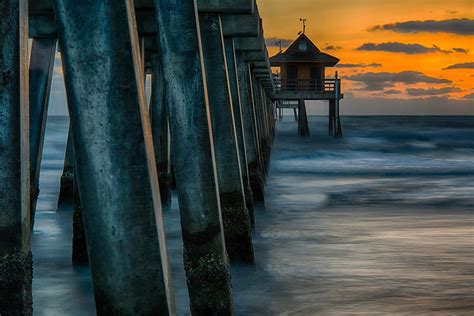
[304, 26]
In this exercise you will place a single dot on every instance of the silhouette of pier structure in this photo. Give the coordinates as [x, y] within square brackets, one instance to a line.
[208, 128]
[301, 77]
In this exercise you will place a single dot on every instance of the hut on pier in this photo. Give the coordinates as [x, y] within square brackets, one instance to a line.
[302, 76]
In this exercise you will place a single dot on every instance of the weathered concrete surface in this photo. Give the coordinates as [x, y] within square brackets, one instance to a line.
[41, 73]
[246, 99]
[111, 151]
[15, 255]
[239, 124]
[205, 259]
[160, 129]
[235, 215]
[303, 127]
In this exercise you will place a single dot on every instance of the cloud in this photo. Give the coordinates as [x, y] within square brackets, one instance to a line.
[432, 91]
[275, 42]
[333, 47]
[469, 96]
[460, 50]
[395, 47]
[455, 26]
[378, 81]
[374, 65]
[392, 91]
[451, 11]
[460, 66]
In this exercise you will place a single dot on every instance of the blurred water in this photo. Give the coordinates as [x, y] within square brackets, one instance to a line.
[380, 222]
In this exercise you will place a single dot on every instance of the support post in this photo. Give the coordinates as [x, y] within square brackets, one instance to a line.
[160, 128]
[235, 215]
[205, 260]
[303, 127]
[255, 176]
[116, 171]
[66, 189]
[332, 117]
[239, 123]
[15, 255]
[41, 73]
[295, 113]
[337, 88]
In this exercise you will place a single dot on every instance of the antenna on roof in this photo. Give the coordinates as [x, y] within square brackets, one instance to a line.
[304, 26]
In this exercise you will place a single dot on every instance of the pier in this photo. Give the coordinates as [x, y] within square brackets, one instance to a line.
[208, 129]
[301, 76]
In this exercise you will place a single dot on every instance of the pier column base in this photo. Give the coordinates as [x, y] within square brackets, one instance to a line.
[16, 275]
[303, 127]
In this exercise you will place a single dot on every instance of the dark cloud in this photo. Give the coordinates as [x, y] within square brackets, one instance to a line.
[275, 42]
[374, 65]
[455, 26]
[469, 96]
[392, 91]
[395, 47]
[460, 50]
[460, 66]
[378, 81]
[432, 91]
[333, 47]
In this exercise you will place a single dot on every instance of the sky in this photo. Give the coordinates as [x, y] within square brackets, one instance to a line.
[412, 57]
[397, 57]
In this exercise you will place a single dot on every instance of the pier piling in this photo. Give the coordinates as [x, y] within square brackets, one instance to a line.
[43, 53]
[303, 127]
[235, 215]
[114, 158]
[205, 259]
[239, 123]
[160, 128]
[255, 176]
[15, 225]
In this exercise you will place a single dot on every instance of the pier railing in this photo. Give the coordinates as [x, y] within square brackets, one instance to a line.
[326, 86]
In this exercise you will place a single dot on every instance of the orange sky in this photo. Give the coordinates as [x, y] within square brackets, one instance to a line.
[345, 23]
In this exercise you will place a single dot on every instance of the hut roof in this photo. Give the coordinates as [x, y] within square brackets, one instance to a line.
[303, 50]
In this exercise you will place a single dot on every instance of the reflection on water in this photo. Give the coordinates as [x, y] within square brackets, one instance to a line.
[380, 222]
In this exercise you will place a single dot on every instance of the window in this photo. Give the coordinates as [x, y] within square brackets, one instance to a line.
[303, 46]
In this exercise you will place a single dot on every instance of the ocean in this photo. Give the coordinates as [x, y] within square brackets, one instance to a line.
[380, 222]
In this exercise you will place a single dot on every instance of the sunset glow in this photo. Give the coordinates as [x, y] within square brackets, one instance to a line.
[345, 26]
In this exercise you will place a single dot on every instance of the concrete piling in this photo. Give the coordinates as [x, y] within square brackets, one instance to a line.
[239, 123]
[116, 171]
[303, 127]
[15, 256]
[332, 117]
[160, 129]
[255, 175]
[235, 215]
[41, 72]
[205, 260]
[66, 189]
